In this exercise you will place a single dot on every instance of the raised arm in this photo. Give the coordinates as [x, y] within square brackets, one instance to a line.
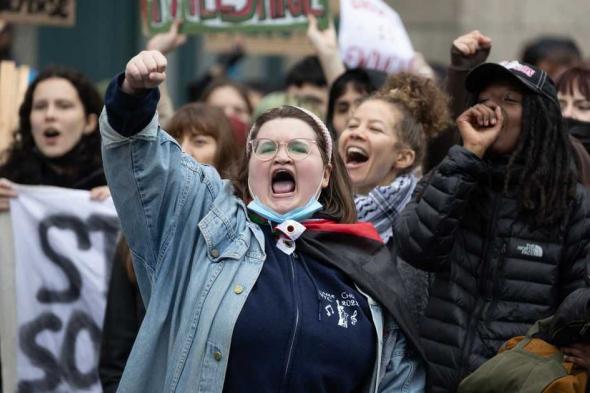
[425, 230]
[325, 43]
[166, 43]
[154, 186]
[467, 51]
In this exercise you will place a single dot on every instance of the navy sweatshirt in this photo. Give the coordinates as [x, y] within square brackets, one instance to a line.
[304, 328]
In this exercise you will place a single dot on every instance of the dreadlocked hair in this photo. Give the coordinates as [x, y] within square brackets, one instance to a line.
[547, 181]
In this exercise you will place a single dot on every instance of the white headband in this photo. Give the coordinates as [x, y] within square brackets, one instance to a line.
[325, 133]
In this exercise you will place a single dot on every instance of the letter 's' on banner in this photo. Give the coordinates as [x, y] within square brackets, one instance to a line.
[54, 284]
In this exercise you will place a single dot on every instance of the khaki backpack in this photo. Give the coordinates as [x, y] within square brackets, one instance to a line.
[526, 364]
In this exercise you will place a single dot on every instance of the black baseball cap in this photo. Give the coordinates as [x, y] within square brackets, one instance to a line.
[529, 77]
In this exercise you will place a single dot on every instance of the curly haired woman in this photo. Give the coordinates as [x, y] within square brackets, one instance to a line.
[383, 146]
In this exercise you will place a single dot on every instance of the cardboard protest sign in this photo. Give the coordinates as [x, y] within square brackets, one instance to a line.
[201, 16]
[39, 12]
[373, 36]
[13, 85]
[63, 246]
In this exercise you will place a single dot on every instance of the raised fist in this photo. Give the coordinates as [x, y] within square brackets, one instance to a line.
[144, 71]
[470, 49]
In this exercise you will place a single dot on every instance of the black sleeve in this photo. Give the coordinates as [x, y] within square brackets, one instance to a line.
[123, 317]
[575, 267]
[129, 114]
[425, 230]
[456, 75]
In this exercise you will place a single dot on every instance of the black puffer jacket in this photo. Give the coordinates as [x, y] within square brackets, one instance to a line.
[493, 276]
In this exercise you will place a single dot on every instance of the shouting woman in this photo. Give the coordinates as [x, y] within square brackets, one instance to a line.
[266, 284]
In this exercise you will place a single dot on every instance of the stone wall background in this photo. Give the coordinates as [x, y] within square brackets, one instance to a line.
[433, 24]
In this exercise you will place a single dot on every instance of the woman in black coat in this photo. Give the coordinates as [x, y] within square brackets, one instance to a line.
[501, 222]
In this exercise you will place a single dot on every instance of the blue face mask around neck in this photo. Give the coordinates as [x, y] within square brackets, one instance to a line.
[297, 214]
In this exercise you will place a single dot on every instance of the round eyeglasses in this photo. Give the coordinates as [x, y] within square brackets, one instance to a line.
[267, 149]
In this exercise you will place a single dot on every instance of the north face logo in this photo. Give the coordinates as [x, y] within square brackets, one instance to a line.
[531, 250]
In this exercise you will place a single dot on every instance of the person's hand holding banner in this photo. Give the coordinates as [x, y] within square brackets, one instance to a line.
[6, 192]
[326, 44]
[322, 40]
[167, 42]
[144, 71]
[100, 193]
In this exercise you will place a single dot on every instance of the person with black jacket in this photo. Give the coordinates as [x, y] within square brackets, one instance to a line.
[468, 51]
[123, 316]
[501, 222]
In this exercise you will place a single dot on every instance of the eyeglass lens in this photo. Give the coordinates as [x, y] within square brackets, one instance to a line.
[296, 148]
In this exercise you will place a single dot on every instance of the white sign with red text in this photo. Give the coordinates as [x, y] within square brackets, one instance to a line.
[372, 36]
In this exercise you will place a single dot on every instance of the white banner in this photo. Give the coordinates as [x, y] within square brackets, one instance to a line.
[63, 247]
[372, 36]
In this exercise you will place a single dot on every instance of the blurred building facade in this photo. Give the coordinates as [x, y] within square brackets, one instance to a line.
[433, 24]
[107, 34]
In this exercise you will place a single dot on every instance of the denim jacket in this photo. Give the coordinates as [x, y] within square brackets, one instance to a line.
[197, 256]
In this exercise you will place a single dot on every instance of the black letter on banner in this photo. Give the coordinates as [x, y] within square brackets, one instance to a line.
[11, 5]
[108, 225]
[59, 9]
[38, 355]
[35, 6]
[78, 322]
[73, 223]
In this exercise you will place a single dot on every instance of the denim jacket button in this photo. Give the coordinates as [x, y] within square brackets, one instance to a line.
[238, 289]
[215, 253]
[217, 355]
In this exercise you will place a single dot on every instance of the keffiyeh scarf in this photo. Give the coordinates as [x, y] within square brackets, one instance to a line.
[383, 204]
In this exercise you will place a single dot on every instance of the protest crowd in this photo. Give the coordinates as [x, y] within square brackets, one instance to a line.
[399, 227]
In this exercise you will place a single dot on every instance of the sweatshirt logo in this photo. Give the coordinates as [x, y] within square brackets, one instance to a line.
[344, 308]
[531, 250]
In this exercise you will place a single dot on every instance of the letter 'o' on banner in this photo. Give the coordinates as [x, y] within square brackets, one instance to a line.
[58, 273]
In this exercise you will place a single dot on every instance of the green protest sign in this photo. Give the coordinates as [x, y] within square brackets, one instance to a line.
[201, 16]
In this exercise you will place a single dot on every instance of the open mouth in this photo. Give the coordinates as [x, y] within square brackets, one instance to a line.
[50, 133]
[283, 182]
[356, 155]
